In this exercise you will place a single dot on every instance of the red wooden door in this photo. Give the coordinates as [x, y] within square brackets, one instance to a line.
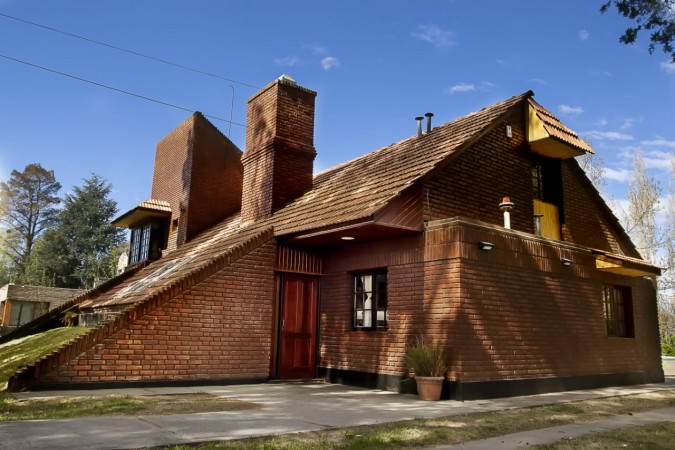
[297, 344]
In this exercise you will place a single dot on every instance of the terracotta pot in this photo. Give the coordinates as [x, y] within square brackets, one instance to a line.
[429, 388]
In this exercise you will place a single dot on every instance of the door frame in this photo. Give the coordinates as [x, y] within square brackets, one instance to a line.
[280, 278]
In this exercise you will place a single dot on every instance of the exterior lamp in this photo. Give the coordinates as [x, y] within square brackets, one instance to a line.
[487, 246]
[566, 262]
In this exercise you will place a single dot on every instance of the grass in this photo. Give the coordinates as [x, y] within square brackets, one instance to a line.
[21, 352]
[451, 430]
[655, 436]
[114, 405]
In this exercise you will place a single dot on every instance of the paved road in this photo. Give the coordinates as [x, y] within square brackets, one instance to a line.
[285, 408]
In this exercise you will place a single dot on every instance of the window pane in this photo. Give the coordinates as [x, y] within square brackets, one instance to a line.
[145, 242]
[368, 311]
[618, 311]
[358, 301]
[134, 253]
[358, 284]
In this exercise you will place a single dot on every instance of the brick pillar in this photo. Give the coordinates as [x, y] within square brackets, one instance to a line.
[279, 157]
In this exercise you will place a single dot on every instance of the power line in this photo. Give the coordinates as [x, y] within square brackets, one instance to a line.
[142, 55]
[116, 89]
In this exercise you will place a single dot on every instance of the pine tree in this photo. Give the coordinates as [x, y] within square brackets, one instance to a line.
[82, 250]
[27, 208]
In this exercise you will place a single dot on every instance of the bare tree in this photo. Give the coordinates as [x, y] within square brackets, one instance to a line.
[594, 166]
[643, 205]
[666, 292]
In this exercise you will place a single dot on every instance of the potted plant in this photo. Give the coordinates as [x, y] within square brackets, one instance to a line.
[426, 361]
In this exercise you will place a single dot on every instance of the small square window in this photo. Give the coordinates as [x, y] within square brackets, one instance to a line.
[370, 301]
[618, 310]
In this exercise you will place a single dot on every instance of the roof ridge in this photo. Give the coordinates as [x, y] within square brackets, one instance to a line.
[528, 94]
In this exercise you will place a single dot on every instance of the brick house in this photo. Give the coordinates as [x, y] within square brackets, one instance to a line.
[245, 267]
[20, 305]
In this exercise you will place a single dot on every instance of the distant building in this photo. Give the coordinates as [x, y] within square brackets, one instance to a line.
[21, 304]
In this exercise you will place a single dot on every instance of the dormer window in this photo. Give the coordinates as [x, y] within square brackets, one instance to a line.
[148, 223]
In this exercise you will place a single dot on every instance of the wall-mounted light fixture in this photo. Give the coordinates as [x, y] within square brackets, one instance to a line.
[486, 245]
[347, 238]
[566, 262]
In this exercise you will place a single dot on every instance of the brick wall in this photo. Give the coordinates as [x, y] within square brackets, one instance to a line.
[524, 315]
[219, 329]
[279, 157]
[588, 221]
[511, 313]
[199, 172]
[371, 351]
[170, 179]
[474, 183]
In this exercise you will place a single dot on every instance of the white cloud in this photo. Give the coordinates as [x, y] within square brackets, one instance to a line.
[330, 62]
[570, 110]
[656, 159]
[618, 175]
[287, 61]
[434, 35]
[628, 123]
[316, 49]
[462, 87]
[607, 136]
[602, 122]
[538, 81]
[659, 142]
[668, 66]
[470, 87]
[583, 35]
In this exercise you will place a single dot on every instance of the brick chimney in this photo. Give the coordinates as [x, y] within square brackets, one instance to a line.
[279, 157]
[199, 172]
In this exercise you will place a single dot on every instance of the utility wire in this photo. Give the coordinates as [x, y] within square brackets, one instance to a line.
[163, 61]
[116, 89]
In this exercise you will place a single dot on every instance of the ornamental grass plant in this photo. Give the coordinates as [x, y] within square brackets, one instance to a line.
[425, 358]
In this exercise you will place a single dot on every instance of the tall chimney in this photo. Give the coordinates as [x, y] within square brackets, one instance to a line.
[279, 156]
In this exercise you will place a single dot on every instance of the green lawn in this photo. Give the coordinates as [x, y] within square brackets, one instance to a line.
[656, 436]
[21, 352]
[115, 405]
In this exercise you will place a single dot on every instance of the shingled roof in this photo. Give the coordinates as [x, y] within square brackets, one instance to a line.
[360, 188]
[192, 260]
[555, 128]
[350, 191]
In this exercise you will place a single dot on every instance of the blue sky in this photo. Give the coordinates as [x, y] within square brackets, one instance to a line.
[375, 65]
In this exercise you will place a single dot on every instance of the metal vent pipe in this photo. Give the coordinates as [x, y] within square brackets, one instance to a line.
[419, 120]
[429, 116]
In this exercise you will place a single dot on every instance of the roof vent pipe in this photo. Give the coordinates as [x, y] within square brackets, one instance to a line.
[429, 116]
[419, 126]
[506, 206]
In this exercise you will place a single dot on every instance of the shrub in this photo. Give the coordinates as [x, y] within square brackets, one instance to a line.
[425, 358]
